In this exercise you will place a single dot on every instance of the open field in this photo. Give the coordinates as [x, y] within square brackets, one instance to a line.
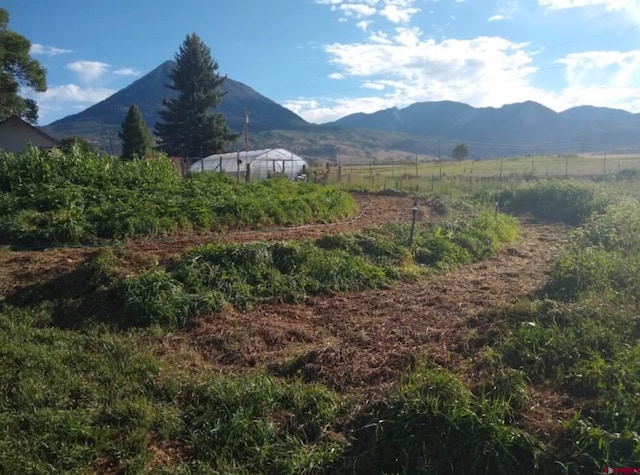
[470, 175]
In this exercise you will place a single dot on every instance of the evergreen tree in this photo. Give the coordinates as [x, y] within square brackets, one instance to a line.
[17, 70]
[189, 128]
[135, 136]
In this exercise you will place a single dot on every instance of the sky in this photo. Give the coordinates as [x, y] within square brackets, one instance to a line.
[325, 59]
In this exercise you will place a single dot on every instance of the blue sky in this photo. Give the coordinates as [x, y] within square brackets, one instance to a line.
[325, 59]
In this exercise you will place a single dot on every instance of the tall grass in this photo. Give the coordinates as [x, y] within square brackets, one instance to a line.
[433, 424]
[98, 402]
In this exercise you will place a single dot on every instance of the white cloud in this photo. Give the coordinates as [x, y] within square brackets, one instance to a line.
[615, 68]
[357, 10]
[38, 49]
[377, 86]
[74, 93]
[610, 5]
[395, 11]
[88, 71]
[398, 13]
[58, 99]
[318, 111]
[400, 66]
[127, 72]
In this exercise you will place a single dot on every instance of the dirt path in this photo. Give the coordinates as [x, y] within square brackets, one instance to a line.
[363, 341]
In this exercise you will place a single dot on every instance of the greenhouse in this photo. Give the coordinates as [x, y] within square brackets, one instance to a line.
[258, 164]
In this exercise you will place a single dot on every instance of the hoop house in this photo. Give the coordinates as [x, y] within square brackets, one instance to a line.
[260, 164]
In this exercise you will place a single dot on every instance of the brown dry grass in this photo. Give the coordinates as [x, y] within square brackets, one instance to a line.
[364, 341]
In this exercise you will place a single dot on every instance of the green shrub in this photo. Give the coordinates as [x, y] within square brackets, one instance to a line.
[70, 198]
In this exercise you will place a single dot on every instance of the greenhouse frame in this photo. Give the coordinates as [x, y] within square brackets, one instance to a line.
[258, 164]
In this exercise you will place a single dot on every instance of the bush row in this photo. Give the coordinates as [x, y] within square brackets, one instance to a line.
[50, 197]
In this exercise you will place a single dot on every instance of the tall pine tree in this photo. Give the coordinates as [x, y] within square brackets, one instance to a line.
[135, 136]
[189, 129]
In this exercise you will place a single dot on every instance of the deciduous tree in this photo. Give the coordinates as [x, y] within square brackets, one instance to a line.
[460, 152]
[135, 136]
[18, 69]
[188, 127]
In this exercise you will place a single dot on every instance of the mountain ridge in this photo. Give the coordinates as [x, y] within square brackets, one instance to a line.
[421, 128]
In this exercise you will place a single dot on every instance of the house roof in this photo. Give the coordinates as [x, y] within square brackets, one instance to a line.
[18, 120]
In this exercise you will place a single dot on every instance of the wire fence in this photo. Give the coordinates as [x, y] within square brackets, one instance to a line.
[471, 175]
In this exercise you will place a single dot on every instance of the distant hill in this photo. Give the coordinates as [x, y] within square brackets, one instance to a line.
[100, 123]
[513, 129]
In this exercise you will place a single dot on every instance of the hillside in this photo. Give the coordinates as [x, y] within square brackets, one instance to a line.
[101, 122]
[512, 129]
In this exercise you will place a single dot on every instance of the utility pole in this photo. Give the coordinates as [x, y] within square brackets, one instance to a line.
[246, 136]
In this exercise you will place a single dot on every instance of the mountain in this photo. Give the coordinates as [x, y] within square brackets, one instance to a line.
[100, 123]
[427, 129]
[512, 129]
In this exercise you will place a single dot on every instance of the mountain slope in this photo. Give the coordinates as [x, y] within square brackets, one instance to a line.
[512, 129]
[101, 122]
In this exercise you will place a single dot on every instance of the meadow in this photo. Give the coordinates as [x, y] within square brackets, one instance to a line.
[449, 176]
[227, 357]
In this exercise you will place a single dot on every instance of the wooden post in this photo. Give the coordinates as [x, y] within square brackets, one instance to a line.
[414, 213]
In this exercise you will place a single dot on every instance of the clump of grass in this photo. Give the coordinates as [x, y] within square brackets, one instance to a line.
[209, 276]
[259, 425]
[603, 258]
[571, 202]
[433, 424]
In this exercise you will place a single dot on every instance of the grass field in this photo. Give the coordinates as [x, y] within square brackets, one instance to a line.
[470, 175]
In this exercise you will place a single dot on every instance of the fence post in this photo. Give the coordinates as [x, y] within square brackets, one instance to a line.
[414, 213]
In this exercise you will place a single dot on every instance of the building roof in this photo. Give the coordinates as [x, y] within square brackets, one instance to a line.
[17, 120]
[16, 135]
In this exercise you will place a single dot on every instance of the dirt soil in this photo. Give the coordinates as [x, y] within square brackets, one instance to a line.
[356, 343]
